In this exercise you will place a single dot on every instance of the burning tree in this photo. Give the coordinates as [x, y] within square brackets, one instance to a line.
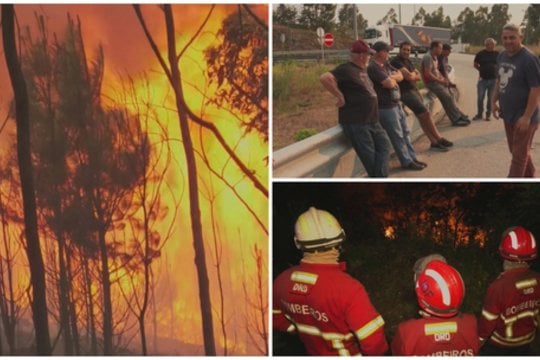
[239, 97]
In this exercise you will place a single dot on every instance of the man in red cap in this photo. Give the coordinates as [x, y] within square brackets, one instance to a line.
[358, 109]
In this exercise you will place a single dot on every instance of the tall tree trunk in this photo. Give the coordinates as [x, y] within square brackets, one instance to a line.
[195, 212]
[154, 316]
[173, 74]
[262, 297]
[7, 302]
[33, 248]
[64, 297]
[91, 323]
[147, 263]
[72, 311]
[107, 304]
[218, 259]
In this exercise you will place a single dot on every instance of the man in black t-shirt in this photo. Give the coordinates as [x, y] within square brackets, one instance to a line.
[358, 109]
[486, 64]
[385, 81]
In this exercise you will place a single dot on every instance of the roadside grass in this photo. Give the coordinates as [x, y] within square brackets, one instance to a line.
[304, 134]
[296, 85]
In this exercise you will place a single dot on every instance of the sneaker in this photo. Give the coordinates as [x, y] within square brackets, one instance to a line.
[478, 117]
[423, 164]
[461, 122]
[446, 143]
[488, 118]
[438, 146]
[413, 166]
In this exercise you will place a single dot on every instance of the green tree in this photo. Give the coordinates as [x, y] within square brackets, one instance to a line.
[465, 26]
[313, 16]
[437, 19]
[497, 18]
[531, 21]
[419, 17]
[285, 15]
[481, 19]
[391, 17]
[346, 20]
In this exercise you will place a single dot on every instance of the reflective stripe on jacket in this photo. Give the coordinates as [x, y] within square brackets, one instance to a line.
[329, 309]
[511, 307]
[455, 336]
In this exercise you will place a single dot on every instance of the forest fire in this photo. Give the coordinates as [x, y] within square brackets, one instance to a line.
[389, 233]
[438, 230]
[114, 187]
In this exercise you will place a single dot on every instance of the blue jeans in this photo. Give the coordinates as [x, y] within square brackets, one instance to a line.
[483, 86]
[394, 122]
[371, 145]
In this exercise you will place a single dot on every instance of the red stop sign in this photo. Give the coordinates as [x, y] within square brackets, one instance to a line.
[328, 39]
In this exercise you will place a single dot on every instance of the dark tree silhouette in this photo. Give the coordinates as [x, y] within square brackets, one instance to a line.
[87, 159]
[33, 248]
[239, 67]
[172, 70]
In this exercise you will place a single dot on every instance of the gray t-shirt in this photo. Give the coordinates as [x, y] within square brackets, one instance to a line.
[517, 75]
[429, 64]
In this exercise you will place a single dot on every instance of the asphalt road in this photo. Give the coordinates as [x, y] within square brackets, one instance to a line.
[480, 149]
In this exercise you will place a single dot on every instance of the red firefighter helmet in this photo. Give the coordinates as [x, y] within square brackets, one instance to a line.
[518, 244]
[440, 289]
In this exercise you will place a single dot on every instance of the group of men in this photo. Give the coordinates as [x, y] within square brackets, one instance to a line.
[371, 89]
[332, 314]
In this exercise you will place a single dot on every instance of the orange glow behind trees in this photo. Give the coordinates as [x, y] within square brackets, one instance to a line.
[153, 282]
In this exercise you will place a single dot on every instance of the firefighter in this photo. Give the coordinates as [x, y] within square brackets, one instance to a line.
[508, 322]
[442, 330]
[421, 264]
[328, 309]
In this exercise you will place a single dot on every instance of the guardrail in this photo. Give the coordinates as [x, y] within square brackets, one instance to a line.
[329, 154]
[313, 55]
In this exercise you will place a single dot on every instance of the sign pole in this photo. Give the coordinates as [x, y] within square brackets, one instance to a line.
[320, 35]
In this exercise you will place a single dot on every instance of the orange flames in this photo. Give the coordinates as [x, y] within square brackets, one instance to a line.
[226, 220]
[438, 230]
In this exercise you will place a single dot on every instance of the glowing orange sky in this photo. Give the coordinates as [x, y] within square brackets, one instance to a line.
[126, 50]
[116, 27]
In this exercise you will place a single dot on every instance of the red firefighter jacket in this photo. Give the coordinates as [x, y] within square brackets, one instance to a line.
[329, 309]
[432, 336]
[510, 309]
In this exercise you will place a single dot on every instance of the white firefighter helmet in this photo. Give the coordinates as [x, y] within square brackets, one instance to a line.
[317, 230]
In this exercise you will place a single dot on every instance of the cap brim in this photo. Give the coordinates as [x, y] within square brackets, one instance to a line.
[371, 51]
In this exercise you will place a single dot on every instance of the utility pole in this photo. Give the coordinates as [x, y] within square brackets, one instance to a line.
[399, 10]
[355, 21]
